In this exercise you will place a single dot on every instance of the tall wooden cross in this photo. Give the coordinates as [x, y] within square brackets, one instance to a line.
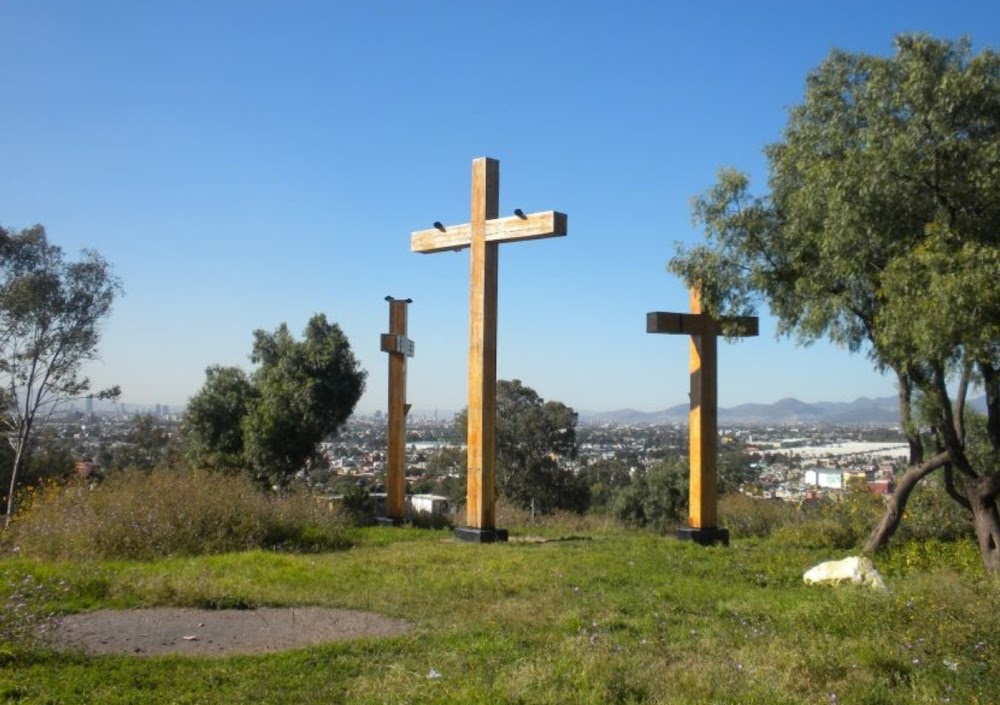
[399, 348]
[483, 235]
[704, 330]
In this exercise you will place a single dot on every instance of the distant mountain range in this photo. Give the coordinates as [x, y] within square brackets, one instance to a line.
[786, 412]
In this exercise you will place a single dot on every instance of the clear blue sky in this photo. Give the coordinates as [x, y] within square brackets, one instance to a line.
[244, 163]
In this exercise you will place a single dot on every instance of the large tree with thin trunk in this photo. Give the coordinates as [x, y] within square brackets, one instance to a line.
[881, 232]
[51, 311]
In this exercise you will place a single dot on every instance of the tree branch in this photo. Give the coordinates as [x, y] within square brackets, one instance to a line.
[949, 430]
[949, 485]
[897, 502]
[991, 381]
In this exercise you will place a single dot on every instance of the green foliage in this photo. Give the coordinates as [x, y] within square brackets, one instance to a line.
[270, 422]
[606, 477]
[47, 458]
[148, 445]
[610, 617]
[533, 437]
[445, 474]
[747, 517]
[932, 515]
[147, 516]
[656, 498]
[50, 315]
[358, 504]
[880, 231]
[24, 620]
[213, 422]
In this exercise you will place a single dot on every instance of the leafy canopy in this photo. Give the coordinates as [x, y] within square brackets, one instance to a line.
[269, 423]
[889, 169]
[534, 439]
[881, 232]
[51, 310]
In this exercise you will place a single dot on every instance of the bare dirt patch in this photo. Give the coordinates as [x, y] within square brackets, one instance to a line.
[152, 632]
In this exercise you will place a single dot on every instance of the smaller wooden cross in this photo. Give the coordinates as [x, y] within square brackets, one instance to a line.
[704, 418]
[399, 348]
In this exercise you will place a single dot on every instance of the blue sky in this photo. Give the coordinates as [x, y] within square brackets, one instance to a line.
[248, 163]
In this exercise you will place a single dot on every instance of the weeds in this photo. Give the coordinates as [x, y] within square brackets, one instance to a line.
[24, 619]
[135, 515]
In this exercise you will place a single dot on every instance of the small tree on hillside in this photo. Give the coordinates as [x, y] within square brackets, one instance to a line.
[882, 232]
[534, 439]
[271, 422]
[50, 316]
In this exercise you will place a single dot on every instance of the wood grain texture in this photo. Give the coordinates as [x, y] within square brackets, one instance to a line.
[395, 475]
[482, 235]
[481, 440]
[703, 422]
[704, 415]
[533, 226]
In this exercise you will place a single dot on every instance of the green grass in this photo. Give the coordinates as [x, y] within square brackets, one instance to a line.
[607, 617]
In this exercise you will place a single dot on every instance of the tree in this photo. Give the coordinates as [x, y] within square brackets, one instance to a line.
[657, 497]
[213, 422]
[533, 437]
[881, 232]
[50, 316]
[446, 473]
[147, 446]
[271, 421]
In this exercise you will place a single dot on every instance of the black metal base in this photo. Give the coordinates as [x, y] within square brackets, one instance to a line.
[389, 521]
[705, 537]
[467, 533]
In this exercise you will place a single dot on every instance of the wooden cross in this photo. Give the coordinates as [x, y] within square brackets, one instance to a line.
[483, 235]
[704, 430]
[399, 348]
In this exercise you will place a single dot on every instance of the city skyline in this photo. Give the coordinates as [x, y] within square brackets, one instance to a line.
[245, 164]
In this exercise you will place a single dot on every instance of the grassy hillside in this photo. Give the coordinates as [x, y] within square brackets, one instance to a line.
[600, 617]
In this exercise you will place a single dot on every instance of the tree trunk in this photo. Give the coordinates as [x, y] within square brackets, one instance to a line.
[905, 386]
[986, 519]
[15, 467]
[896, 504]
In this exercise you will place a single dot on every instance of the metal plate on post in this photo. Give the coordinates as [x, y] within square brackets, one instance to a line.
[397, 344]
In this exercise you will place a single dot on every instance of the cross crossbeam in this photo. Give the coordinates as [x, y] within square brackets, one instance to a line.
[482, 235]
[703, 427]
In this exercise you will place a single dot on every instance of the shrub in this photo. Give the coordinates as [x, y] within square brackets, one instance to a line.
[656, 498]
[841, 522]
[821, 532]
[932, 514]
[746, 516]
[134, 515]
[511, 516]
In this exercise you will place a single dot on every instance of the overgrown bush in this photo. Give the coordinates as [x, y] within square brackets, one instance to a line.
[656, 498]
[134, 515]
[511, 516]
[841, 522]
[747, 516]
[932, 514]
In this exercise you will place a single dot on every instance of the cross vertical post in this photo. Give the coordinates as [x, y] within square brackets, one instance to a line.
[399, 348]
[483, 235]
[703, 426]
[482, 413]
